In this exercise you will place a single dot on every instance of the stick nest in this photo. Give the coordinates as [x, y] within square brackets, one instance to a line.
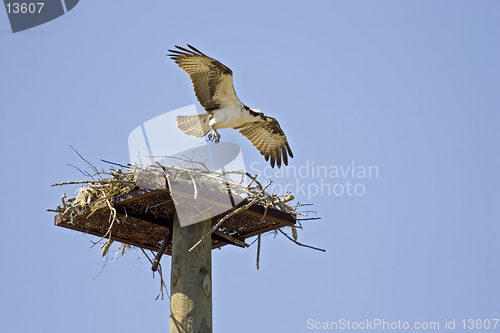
[95, 192]
[102, 186]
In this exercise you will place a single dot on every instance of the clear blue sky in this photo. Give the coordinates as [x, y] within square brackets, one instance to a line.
[411, 87]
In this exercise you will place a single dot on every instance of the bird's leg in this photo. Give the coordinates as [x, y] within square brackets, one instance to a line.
[214, 136]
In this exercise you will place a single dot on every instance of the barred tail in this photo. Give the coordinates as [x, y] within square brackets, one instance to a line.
[194, 125]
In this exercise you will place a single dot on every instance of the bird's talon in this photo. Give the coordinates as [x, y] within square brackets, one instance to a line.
[215, 137]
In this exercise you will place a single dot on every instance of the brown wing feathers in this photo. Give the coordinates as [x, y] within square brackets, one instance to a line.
[206, 74]
[269, 139]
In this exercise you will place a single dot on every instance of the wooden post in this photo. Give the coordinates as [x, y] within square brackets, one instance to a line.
[191, 278]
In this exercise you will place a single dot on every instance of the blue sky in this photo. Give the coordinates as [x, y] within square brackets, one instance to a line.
[411, 87]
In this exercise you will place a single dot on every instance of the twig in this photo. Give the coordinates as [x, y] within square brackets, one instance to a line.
[112, 219]
[162, 282]
[91, 165]
[258, 250]
[300, 244]
[195, 195]
[188, 160]
[85, 173]
[118, 164]
[310, 218]
[160, 252]
[160, 293]
[101, 181]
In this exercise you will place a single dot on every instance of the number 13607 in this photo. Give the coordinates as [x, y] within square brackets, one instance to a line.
[23, 8]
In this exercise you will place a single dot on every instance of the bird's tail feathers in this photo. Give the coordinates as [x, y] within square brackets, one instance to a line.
[194, 125]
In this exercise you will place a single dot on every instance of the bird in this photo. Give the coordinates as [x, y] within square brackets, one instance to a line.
[213, 87]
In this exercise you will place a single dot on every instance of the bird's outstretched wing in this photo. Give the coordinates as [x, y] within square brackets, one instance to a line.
[212, 81]
[269, 139]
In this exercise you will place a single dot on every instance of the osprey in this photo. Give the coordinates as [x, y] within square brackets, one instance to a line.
[213, 86]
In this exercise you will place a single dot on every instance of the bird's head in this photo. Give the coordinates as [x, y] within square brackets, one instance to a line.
[256, 113]
[259, 113]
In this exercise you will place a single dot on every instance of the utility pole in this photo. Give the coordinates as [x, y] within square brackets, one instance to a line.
[191, 278]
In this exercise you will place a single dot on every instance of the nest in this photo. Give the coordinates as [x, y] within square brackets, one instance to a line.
[195, 183]
[135, 205]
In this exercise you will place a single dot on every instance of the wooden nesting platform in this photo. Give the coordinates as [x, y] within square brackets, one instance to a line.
[146, 217]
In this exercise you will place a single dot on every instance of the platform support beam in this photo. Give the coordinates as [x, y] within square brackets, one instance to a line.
[191, 278]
